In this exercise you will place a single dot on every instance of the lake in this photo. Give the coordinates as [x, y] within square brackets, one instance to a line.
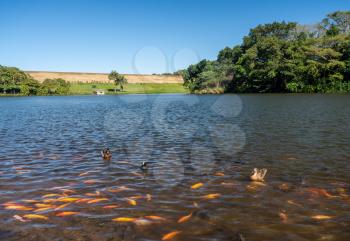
[51, 166]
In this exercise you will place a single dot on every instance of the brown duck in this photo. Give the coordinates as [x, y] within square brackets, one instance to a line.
[106, 154]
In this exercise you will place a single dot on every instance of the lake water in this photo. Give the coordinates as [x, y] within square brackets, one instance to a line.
[51, 145]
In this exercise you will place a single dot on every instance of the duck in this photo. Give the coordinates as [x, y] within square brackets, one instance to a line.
[144, 166]
[106, 154]
[258, 175]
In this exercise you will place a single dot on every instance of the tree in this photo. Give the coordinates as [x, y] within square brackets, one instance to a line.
[55, 87]
[15, 81]
[281, 57]
[118, 79]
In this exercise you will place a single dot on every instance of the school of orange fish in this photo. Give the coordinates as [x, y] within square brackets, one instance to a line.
[59, 203]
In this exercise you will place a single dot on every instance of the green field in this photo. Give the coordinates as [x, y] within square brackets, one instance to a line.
[88, 88]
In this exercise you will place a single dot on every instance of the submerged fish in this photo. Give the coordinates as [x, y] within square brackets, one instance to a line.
[97, 200]
[68, 199]
[219, 174]
[63, 214]
[62, 206]
[110, 206]
[154, 217]
[51, 195]
[92, 181]
[96, 193]
[35, 216]
[18, 207]
[42, 205]
[131, 202]
[321, 217]
[43, 209]
[184, 218]
[142, 222]
[84, 173]
[320, 192]
[211, 196]
[170, 235]
[123, 219]
[197, 185]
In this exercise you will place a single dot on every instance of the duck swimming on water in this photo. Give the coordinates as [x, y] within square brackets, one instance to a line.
[258, 175]
[144, 166]
[106, 154]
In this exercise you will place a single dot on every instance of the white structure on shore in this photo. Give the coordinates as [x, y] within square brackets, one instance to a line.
[99, 92]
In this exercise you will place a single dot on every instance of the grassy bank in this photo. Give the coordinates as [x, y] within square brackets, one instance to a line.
[88, 88]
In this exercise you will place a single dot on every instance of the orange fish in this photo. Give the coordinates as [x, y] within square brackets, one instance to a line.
[197, 185]
[49, 200]
[131, 202]
[91, 181]
[62, 206]
[51, 195]
[153, 217]
[184, 218]
[42, 209]
[211, 196]
[219, 174]
[110, 206]
[170, 235]
[142, 222]
[123, 219]
[83, 200]
[320, 192]
[35, 216]
[137, 197]
[97, 193]
[18, 207]
[321, 217]
[68, 199]
[63, 214]
[68, 190]
[97, 200]
[10, 204]
[42, 205]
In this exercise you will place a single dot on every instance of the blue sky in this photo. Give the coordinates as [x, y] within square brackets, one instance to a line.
[136, 36]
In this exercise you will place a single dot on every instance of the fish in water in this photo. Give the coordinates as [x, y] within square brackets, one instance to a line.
[35, 216]
[144, 166]
[106, 154]
[170, 235]
[184, 218]
[258, 175]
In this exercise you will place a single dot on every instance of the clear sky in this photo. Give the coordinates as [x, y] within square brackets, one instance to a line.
[136, 36]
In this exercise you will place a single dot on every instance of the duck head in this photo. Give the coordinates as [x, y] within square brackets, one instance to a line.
[258, 175]
[106, 154]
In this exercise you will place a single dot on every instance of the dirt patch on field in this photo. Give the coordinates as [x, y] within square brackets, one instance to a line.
[103, 78]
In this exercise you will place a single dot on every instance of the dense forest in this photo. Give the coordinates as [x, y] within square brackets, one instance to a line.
[16, 82]
[281, 57]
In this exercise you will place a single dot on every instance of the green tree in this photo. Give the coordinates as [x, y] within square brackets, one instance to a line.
[118, 79]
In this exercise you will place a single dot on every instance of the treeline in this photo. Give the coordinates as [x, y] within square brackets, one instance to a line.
[13, 81]
[280, 57]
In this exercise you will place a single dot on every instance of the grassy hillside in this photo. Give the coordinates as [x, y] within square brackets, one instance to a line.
[88, 88]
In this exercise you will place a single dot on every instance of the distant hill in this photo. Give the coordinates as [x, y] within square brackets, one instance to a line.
[73, 77]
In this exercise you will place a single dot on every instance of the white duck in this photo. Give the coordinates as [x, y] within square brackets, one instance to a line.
[258, 175]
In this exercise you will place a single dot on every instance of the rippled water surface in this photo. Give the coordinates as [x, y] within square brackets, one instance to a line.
[50, 156]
